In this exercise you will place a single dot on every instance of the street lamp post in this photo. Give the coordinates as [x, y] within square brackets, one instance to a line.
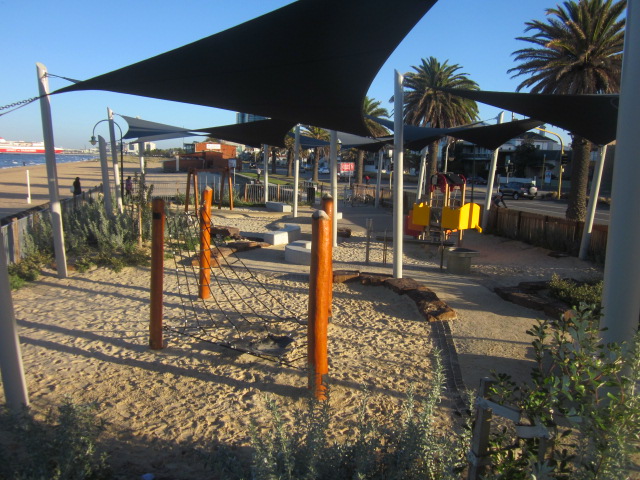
[94, 141]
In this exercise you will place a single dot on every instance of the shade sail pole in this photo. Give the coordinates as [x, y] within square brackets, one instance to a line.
[423, 161]
[141, 156]
[104, 167]
[52, 173]
[593, 203]
[492, 176]
[296, 170]
[620, 299]
[11, 367]
[398, 169]
[265, 168]
[114, 158]
[333, 159]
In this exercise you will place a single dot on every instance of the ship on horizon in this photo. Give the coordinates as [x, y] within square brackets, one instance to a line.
[10, 146]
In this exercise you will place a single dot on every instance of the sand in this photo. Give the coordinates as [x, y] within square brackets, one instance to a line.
[86, 337]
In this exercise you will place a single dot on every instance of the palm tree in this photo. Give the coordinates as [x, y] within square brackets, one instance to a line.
[424, 104]
[577, 51]
[319, 134]
[370, 107]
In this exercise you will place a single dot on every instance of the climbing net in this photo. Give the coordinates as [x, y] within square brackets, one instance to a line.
[242, 312]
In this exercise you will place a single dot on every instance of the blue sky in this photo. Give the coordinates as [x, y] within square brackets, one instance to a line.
[80, 39]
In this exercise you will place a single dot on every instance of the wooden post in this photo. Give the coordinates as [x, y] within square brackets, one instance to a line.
[320, 298]
[230, 181]
[15, 236]
[205, 243]
[480, 439]
[157, 274]
[195, 192]
[328, 207]
[186, 199]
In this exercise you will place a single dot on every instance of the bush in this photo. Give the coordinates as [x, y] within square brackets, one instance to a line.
[574, 293]
[411, 448]
[584, 393]
[62, 447]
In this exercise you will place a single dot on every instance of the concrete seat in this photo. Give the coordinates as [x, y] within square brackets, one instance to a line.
[278, 207]
[298, 253]
[288, 234]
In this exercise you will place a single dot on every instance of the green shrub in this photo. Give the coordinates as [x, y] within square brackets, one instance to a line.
[574, 293]
[584, 393]
[413, 448]
[62, 447]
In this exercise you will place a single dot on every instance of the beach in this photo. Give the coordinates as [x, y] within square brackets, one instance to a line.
[86, 337]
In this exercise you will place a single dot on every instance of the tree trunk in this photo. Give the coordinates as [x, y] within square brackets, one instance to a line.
[580, 160]
[316, 163]
[360, 166]
[290, 162]
[432, 164]
[274, 158]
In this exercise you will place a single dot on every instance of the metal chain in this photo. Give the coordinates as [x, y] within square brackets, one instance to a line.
[20, 103]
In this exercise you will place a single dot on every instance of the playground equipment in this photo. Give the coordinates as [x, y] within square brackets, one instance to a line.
[221, 166]
[443, 214]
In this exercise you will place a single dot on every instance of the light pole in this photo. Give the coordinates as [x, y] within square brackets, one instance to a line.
[94, 142]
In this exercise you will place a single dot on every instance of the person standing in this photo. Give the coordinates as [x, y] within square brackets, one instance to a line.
[77, 189]
[128, 187]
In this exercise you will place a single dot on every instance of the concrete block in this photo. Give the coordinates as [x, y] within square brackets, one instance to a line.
[276, 237]
[293, 230]
[278, 207]
[298, 253]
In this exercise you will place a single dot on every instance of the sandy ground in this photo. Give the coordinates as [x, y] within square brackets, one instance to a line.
[86, 336]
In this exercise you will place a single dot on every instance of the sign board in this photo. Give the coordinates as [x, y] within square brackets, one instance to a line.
[547, 176]
[347, 166]
[232, 163]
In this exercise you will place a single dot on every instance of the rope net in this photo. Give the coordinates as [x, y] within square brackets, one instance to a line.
[242, 312]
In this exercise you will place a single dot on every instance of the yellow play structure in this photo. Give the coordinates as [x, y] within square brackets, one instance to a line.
[442, 213]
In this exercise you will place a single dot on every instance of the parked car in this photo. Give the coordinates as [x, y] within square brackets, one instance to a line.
[323, 170]
[519, 189]
[476, 181]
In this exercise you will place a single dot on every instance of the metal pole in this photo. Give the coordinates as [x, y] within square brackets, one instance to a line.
[492, 175]
[157, 274]
[593, 203]
[114, 157]
[265, 172]
[446, 157]
[620, 299]
[141, 156]
[423, 161]
[296, 170]
[15, 385]
[104, 165]
[333, 159]
[398, 168]
[28, 188]
[379, 177]
[52, 173]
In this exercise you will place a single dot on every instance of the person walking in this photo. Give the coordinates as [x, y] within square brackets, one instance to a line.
[498, 199]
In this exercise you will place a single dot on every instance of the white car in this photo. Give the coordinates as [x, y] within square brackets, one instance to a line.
[323, 170]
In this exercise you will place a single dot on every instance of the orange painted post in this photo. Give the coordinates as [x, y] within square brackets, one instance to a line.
[230, 180]
[157, 274]
[328, 207]
[186, 199]
[320, 298]
[205, 243]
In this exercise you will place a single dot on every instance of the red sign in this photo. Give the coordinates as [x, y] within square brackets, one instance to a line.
[347, 166]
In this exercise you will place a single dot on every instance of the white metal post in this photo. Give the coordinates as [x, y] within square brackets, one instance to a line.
[423, 162]
[296, 170]
[379, 177]
[52, 173]
[492, 175]
[593, 203]
[114, 157]
[265, 172]
[398, 169]
[28, 188]
[141, 156]
[106, 184]
[15, 386]
[620, 299]
[333, 160]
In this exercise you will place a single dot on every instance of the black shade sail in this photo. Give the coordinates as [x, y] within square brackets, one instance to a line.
[346, 140]
[139, 128]
[594, 117]
[309, 62]
[270, 132]
[487, 136]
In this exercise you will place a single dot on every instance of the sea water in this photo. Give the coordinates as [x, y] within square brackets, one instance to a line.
[8, 160]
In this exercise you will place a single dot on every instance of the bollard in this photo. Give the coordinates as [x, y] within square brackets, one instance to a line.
[205, 243]
[157, 274]
[320, 298]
